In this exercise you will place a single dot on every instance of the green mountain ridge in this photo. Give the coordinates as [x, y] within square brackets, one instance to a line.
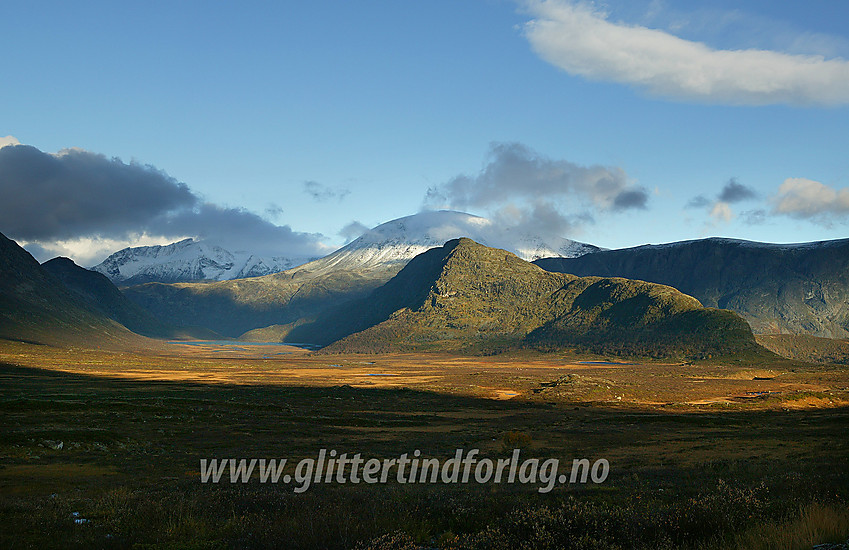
[465, 297]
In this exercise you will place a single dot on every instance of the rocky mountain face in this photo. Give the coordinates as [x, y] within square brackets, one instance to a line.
[796, 289]
[471, 298]
[188, 260]
[35, 306]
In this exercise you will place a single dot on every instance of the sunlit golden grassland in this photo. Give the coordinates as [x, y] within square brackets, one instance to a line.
[701, 455]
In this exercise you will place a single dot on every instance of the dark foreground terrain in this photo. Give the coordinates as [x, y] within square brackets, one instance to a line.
[701, 456]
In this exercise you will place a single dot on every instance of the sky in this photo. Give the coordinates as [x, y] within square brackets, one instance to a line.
[289, 127]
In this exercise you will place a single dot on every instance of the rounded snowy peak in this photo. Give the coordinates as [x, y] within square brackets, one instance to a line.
[400, 240]
[431, 228]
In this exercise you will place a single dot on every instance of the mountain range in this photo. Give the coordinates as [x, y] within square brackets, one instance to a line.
[791, 289]
[188, 260]
[400, 287]
[396, 241]
[462, 297]
[299, 294]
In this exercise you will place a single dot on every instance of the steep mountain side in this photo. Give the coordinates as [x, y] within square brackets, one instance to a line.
[501, 296]
[98, 293]
[35, 306]
[467, 297]
[801, 289]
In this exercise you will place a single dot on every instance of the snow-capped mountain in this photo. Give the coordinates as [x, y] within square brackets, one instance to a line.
[389, 245]
[188, 260]
[398, 241]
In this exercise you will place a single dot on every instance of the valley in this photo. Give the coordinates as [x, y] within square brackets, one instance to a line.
[715, 436]
[705, 455]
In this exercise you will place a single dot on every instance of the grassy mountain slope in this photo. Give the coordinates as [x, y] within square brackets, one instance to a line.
[801, 289]
[467, 297]
[35, 306]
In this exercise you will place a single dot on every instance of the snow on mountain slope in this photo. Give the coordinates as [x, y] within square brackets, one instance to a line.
[188, 260]
[389, 245]
[400, 240]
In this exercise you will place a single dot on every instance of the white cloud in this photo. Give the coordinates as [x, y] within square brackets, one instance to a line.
[353, 230]
[8, 140]
[582, 41]
[87, 251]
[721, 211]
[804, 198]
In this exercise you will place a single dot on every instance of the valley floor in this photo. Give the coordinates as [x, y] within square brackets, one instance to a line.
[701, 455]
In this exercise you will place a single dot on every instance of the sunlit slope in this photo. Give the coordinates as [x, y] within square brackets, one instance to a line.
[468, 297]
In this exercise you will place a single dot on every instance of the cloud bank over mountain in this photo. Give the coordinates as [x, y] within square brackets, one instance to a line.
[79, 199]
[519, 186]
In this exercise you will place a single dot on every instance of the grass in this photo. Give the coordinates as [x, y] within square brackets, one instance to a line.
[134, 426]
[815, 523]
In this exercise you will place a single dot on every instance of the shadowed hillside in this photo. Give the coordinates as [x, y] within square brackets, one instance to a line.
[467, 297]
[35, 306]
[98, 293]
[238, 306]
[801, 289]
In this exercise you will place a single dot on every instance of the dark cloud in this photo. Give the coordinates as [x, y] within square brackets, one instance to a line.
[734, 191]
[548, 197]
[719, 209]
[631, 198]
[322, 193]
[237, 228]
[514, 171]
[353, 230]
[76, 193]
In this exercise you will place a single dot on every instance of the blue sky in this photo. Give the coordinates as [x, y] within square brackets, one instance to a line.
[616, 123]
